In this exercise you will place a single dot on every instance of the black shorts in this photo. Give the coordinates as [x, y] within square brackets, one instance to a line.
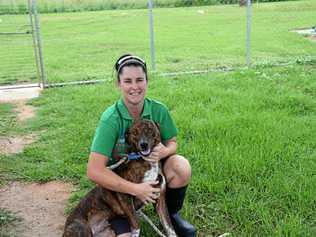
[120, 225]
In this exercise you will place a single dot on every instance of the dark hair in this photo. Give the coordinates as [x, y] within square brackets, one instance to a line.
[129, 60]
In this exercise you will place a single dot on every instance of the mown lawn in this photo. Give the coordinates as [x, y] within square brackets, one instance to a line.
[83, 45]
[249, 135]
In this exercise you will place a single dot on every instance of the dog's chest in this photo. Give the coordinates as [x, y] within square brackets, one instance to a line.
[137, 171]
[152, 173]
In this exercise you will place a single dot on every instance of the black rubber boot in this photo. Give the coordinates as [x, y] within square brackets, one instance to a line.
[174, 200]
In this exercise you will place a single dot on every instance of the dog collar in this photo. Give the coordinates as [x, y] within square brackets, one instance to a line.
[134, 156]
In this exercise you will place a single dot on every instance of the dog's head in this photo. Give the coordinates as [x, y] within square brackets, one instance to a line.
[143, 136]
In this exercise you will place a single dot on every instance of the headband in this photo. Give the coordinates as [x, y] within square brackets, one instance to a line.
[129, 59]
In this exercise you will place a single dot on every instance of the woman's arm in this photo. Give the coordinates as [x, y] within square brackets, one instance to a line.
[98, 173]
[171, 147]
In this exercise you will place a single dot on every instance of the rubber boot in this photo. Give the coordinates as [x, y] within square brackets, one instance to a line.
[174, 200]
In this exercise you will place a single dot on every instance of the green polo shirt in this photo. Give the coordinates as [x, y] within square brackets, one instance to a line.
[116, 120]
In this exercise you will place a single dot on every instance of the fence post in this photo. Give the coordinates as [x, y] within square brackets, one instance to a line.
[34, 41]
[248, 58]
[39, 43]
[151, 30]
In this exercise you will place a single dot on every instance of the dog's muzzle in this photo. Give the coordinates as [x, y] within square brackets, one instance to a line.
[144, 148]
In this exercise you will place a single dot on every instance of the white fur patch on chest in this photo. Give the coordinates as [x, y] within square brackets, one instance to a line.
[152, 173]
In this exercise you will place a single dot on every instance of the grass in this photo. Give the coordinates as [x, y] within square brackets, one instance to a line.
[8, 220]
[7, 119]
[6, 217]
[84, 45]
[249, 136]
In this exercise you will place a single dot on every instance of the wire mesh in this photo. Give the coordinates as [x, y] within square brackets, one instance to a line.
[16, 49]
[84, 45]
[274, 35]
[200, 38]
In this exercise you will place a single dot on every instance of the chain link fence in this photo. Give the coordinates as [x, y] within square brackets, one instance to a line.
[82, 46]
[16, 49]
[276, 37]
[20, 44]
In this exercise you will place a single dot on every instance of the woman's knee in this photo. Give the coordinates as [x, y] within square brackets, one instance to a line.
[177, 170]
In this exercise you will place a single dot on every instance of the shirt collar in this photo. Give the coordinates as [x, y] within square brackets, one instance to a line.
[124, 111]
[146, 109]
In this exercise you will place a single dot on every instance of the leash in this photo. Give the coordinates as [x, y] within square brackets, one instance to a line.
[146, 218]
[117, 164]
[126, 157]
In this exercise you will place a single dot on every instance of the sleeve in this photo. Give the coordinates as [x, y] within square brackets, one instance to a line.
[105, 138]
[168, 128]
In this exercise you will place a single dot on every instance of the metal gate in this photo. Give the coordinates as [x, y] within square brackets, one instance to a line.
[21, 60]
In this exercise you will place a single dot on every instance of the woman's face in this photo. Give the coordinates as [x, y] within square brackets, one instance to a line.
[133, 85]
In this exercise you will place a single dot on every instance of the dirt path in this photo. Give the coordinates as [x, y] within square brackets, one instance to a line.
[13, 145]
[24, 111]
[39, 206]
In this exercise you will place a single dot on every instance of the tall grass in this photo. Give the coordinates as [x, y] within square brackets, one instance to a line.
[249, 136]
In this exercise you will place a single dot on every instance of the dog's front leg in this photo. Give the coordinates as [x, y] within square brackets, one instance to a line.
[162, 210]
[111, 200]
[127, 205]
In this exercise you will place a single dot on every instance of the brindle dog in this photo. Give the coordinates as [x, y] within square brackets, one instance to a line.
[91, 216]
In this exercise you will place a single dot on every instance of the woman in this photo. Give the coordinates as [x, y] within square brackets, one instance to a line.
[109, 143]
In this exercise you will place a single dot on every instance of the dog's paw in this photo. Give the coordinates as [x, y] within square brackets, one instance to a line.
[135, 232]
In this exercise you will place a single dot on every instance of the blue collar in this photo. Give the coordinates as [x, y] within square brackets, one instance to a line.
[134, 156]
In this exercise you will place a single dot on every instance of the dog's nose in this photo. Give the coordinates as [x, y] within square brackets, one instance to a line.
[144, 146]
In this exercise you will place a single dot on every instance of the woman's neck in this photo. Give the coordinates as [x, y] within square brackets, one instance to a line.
[135, 110]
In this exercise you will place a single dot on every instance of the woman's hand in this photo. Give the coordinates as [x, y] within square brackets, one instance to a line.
[146, 192]
[160, 151]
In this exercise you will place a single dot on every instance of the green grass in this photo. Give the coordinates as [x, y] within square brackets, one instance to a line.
[6, 217]
[8, 220]
[7, 119]
[249, 136]
[84, 45]
[9, 127]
